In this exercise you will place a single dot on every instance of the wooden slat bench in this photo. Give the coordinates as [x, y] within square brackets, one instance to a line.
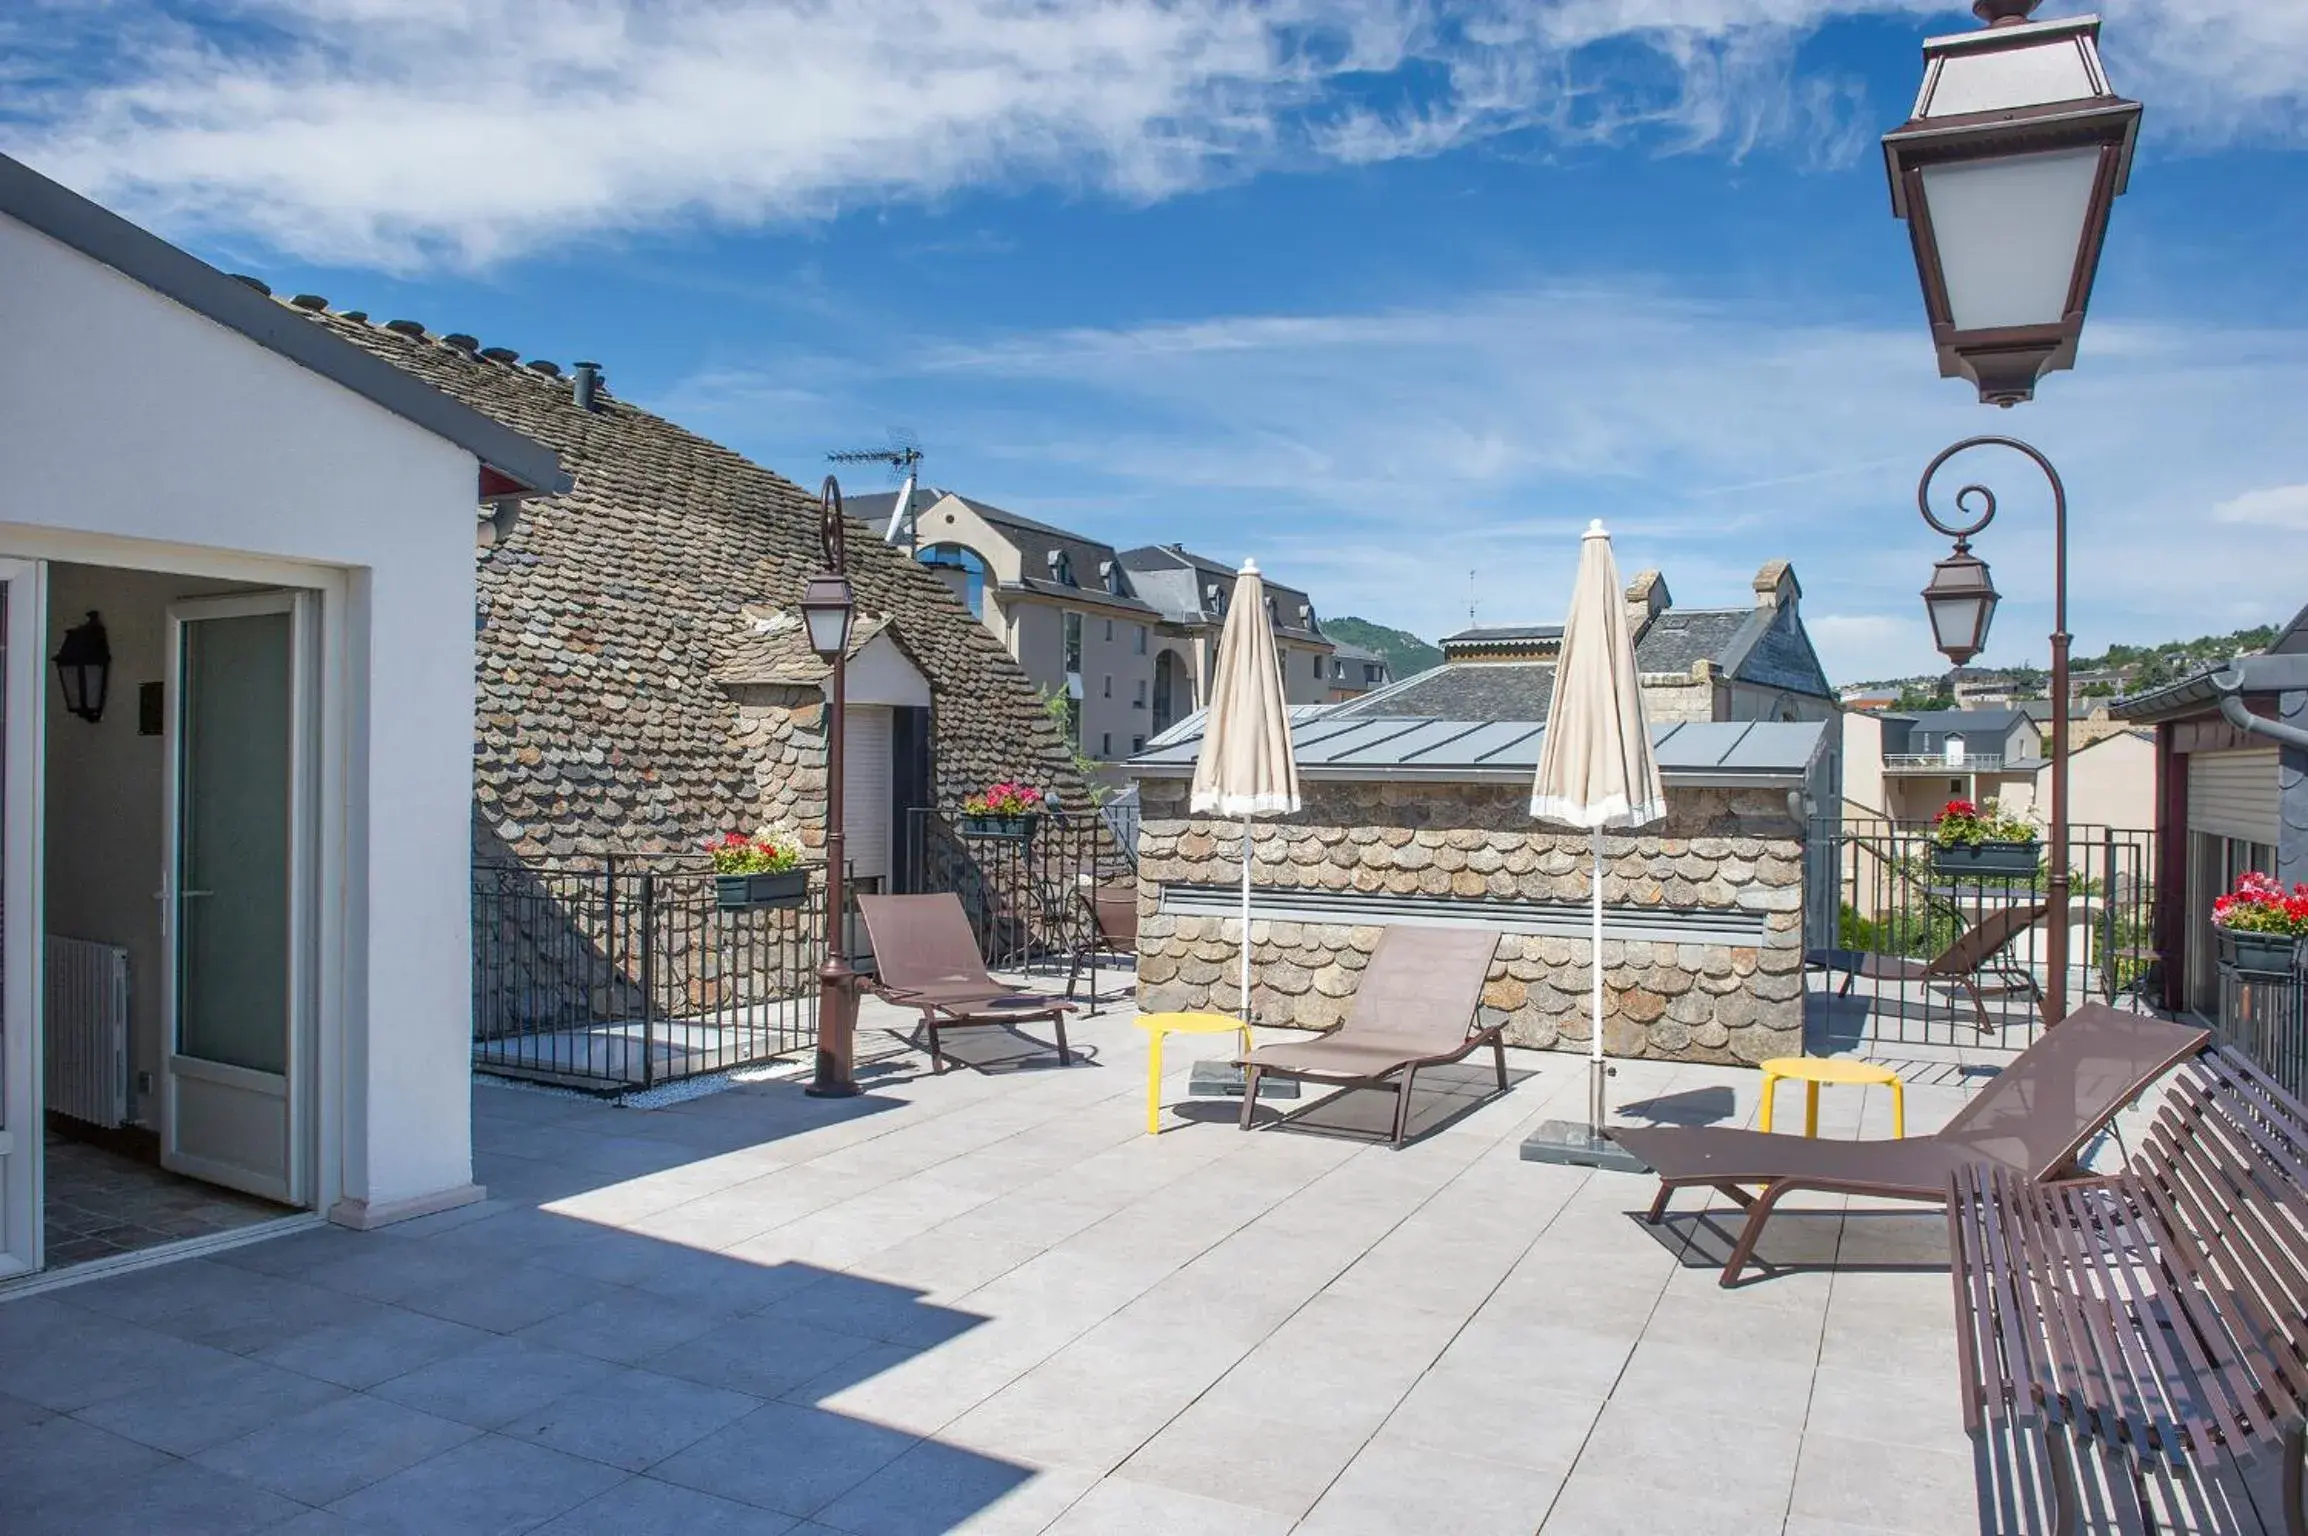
[2161, 1312]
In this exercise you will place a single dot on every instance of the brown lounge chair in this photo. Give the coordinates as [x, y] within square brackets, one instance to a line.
[927, 958]
[2033, 1118]
[1975, 953]
[1112, 930]
[1413, 1009]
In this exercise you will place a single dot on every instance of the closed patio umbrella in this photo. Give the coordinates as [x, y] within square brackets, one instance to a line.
[1245, 767]
[1595, 771]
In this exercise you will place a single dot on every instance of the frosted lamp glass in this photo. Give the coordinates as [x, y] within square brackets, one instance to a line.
[2008, 232]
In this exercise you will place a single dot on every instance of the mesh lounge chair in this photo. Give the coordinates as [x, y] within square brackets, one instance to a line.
[1413, 1008]
[1976, 952]
[928, 959]
[2032, 1118]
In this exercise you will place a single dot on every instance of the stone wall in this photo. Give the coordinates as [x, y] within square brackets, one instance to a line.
[1735, 852]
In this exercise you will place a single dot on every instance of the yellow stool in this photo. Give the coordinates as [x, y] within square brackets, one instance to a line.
[1811, 1071]
[1161, 1024]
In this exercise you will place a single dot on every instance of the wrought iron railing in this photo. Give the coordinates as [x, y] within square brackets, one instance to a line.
[1889, 895]
[2266, 1017]
[1027, 893]
[624, 972]
[1941, 762]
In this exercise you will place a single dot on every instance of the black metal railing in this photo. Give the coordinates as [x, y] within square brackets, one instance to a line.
[1027, 894]
[625, 973]
[1886, 893]
[2266, 1017]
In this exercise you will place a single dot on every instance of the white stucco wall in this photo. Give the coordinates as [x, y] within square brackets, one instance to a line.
[148, 435]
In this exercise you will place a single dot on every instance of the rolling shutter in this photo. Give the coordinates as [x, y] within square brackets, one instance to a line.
[865, 789]
[2233, 794]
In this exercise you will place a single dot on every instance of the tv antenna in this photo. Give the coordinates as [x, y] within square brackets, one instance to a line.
[904, 457]
[1470, 599]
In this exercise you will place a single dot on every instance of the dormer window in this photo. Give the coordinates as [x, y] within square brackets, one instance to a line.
[1061, 567]
[1110, 576]
[1306, 616]
[1214, 598]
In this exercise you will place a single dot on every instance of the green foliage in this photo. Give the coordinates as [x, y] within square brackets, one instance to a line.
[1918, 931]
[1923, 698]
[1405, 652]
[1066, 718]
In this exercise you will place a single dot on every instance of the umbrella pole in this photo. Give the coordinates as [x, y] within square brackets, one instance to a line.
[1246, 922]
[1595, 1113]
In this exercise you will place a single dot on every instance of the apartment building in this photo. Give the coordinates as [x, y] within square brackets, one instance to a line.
[1128, 638]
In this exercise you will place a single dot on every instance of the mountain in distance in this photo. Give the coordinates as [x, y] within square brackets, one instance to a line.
[1405, 652]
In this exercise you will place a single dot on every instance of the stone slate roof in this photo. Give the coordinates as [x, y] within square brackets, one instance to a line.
[1172, 577]
[1680, 638]
[1500, 634]
[777, 652]
[1506, 690]
[607, 614]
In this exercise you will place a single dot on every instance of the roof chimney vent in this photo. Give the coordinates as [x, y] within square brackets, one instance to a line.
[588, 386]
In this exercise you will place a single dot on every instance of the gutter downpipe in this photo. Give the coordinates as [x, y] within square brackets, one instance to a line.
[2230, 688]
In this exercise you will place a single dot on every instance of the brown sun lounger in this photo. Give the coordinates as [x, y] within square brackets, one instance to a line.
[2033, 1118]
[928, 959]
[1976, 952]
[1415, 1008]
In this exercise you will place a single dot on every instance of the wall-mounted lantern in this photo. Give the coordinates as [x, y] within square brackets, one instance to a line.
[84, 668]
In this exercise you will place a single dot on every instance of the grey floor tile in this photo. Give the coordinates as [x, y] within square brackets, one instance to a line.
[932, 1489]
[628, 1327]
[324, 1453]
[1462, 1410]
[791, 1459]
[644, 1505]
[46, 1464]
[1394, 1487]
[1621, 1502]
[1902, 1488]
[376, 1348]
[489, 1386]
[486, 1487]
[1120, 1507]
[209, 1409]
[1279, 1465]
[768, 1355]
[181, 1498]
[91, 1359]
[505, 1298]
[633, 1419]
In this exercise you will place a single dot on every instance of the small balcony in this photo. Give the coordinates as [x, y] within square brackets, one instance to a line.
[1943, 762]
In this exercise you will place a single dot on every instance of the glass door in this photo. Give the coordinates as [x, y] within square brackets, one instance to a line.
[232, 1107]
[23, 594]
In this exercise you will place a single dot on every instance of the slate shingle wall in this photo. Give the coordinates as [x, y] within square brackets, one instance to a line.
[1728, 850]
[607, 613]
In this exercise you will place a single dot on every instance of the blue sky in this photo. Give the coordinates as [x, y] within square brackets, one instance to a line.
[1391, 294]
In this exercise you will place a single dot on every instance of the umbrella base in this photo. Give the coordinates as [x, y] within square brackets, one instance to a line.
[1223, 1079]
[1571, 1142]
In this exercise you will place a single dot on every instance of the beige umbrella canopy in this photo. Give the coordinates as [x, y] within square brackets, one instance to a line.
[1595, 764]
[1245, 767]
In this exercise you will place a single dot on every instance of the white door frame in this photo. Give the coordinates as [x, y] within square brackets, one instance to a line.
[296, 1082]
[23, 1144]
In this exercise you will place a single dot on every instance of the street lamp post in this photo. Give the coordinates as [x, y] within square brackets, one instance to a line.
[1961, 603]
[2007, 172]
[827, 610]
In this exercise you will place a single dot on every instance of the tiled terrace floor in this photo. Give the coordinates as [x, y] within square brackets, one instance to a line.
[988, 1302]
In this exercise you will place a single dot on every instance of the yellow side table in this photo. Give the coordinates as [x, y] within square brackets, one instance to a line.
[1811, 1071]
[1160, 1024]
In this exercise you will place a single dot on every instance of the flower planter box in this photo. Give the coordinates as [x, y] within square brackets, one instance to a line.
[738, 893]
[2268, 955]
[1017, 828]
[1998, 861]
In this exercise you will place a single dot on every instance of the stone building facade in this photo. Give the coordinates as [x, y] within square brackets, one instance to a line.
[1710, 903]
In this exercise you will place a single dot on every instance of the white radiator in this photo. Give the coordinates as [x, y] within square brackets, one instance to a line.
[87, 1030]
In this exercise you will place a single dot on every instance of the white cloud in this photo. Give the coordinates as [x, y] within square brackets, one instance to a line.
[1403, 463]
[2280, 506]
[409, 133]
